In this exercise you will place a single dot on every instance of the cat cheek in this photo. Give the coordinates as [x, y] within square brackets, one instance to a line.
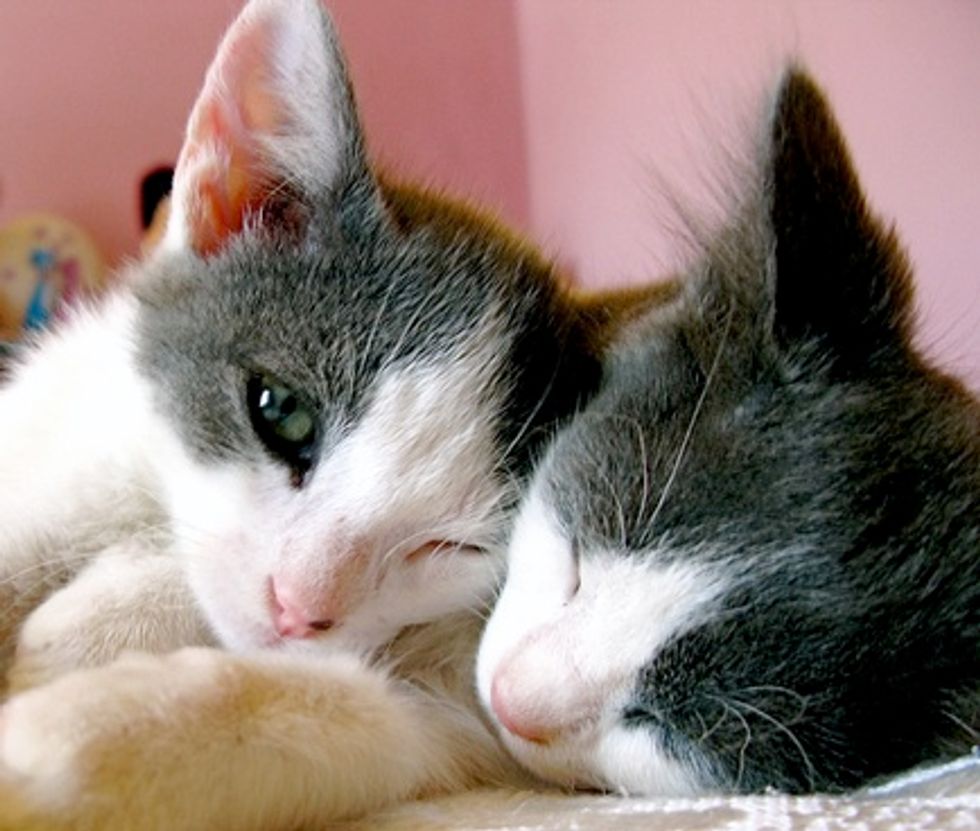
[227, 574]
[632, 761]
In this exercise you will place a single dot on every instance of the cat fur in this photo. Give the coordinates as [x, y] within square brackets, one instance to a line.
[750, 562]
[141, 510]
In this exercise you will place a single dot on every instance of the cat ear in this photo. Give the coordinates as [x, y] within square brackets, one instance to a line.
[841, 277]
[274, 131]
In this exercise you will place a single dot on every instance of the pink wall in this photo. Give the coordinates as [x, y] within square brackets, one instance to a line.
[615, 91]
[439, 88]
[95, 92]
[92, 93]
[556, 112]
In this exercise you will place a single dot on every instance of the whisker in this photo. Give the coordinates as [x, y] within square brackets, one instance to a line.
[707, 732]
[973, 733]
[529, 420]
[783, 728]
[743, 750]
[773, 688]
[646, 475]
[685, 442]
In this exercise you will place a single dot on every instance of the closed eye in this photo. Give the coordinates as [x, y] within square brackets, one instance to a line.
[575, 576]
[284, 422]
[542, 559]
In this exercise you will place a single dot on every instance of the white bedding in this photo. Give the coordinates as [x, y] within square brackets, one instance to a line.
[945, 797]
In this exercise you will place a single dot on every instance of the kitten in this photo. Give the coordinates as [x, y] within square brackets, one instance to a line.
[318, 394]
[296, 430]
[751, 561]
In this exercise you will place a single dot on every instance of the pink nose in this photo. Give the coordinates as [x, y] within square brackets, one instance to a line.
[291, 617]
[533, 724]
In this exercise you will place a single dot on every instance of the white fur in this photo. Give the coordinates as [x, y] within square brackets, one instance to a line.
[566, 660]
[130, 596]
[77, 471]
[101, 484]
[204, 739]
[412, 470]
[79, 399]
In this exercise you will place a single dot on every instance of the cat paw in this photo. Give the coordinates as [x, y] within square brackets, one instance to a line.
[78, 751]
[55, 639]
[45, 653]
[121, 601]
[36, 667]
[202, 738]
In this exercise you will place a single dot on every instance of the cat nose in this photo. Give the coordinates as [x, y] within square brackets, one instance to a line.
[529, 716]
[292, 617]
[539, 694]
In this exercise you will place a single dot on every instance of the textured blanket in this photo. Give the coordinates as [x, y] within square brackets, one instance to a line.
[945, 797]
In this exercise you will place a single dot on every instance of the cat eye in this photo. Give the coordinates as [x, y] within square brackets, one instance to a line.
[283, 422]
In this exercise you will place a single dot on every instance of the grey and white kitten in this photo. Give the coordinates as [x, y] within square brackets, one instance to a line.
[321, 389]
[297, 429]
[752, 562]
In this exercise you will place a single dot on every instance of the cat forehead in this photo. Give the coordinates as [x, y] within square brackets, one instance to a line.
[329, 325]
[674, 445]
[310, 306]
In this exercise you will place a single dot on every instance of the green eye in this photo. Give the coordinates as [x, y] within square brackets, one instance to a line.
[283, 422]
[281, 410]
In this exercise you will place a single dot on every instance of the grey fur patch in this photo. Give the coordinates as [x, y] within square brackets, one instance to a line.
[779, 416]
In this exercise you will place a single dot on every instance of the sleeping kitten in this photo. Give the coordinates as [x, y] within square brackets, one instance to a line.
[296, 430]
[751, 562]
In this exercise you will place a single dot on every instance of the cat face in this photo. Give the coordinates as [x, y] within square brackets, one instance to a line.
[357, 372]
[750, 561]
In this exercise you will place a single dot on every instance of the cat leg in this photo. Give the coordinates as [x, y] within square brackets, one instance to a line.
[77, 430]
[130, 597]
[203, 739]
[15, 605]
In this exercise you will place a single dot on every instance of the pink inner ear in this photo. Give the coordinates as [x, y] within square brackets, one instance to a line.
[226, 170]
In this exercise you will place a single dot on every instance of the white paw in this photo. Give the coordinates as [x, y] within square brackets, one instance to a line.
[120, 602]
[51, 644]
[203, 739]
[38, 661]
[97, 742]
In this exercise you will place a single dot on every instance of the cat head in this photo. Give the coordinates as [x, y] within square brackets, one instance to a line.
[750, 561]
[358, 372]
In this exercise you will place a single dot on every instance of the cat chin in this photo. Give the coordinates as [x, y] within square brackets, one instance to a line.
[364, 642]
[610, 758]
